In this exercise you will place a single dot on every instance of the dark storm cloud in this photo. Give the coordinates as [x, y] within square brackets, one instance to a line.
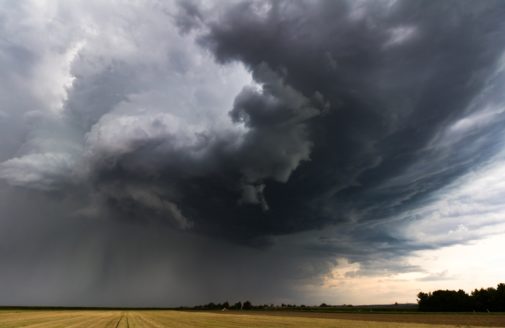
[65, 259]
[155, 163]
[350, 102]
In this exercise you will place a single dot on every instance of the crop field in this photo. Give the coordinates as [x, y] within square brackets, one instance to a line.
[159, 318]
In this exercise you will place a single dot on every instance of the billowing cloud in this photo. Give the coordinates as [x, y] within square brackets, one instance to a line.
[290, 137]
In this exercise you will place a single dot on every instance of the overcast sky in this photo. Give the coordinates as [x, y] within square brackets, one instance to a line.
[163, 153]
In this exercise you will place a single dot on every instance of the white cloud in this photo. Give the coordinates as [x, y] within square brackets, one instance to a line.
[123, 68]
[39, 171]
[400, 34]
[121, 134]
[469, 208]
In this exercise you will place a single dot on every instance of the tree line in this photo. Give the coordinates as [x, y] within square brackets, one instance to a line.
[247, 305]
[481, 300]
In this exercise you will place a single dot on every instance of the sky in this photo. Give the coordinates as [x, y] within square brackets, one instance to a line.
[166, 153]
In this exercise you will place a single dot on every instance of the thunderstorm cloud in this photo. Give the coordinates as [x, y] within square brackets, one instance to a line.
[164, 153]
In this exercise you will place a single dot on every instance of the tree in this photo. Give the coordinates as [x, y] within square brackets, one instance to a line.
[483, 299]
[423, 300]
[247, 305]
[500, 298]
[489, 299]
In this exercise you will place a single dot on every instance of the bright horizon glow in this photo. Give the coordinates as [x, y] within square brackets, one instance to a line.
[472, 266]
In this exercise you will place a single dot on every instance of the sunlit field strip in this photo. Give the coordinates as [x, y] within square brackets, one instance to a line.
[232, 320]
[38, 318]
[160, 319]
[57, 319]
